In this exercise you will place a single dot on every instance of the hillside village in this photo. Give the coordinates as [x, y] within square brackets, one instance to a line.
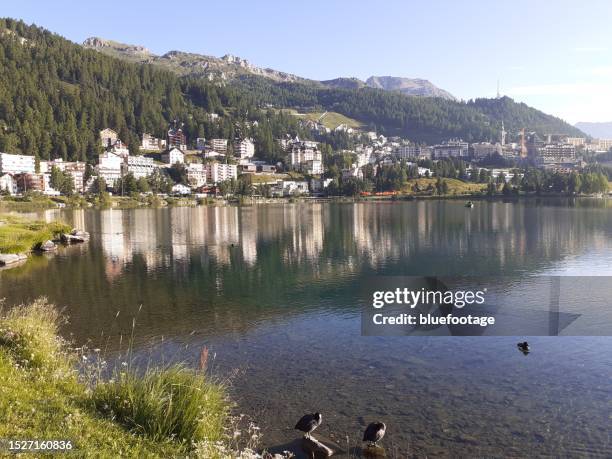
[175, 165]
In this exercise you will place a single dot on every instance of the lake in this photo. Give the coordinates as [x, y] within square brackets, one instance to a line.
[274, 291]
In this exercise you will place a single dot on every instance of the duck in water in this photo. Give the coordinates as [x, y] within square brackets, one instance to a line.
[523, 347]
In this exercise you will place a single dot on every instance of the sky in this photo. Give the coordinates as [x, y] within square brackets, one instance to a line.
[553, 55]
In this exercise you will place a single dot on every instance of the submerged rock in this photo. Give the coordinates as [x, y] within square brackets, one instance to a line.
[7, 259]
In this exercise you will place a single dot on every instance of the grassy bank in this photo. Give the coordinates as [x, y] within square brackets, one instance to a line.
[18, 235]
[172, 412]
[455, 187]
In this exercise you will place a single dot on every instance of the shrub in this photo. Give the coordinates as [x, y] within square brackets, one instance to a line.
[169, 403]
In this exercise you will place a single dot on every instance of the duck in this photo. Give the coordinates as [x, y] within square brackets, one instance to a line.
[523, 347]
[374, 433]
[308, 423]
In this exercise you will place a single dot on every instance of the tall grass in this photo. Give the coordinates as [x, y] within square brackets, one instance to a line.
[30, 335]
[170, 403]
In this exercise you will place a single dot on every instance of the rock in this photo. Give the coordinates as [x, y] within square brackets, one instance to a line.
[79, 233]
[373, 451]
[467, 439]
[11, 258]
[316, 449]
[47, 246]
[75, 236]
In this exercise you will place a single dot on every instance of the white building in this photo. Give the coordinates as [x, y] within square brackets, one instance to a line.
[219, 172]
[139, 166]
[557, 152]
[301, 154]
[173, 156]
[244, 148]
[179, 188]
[109, 167]
[108, 137]
[219, 145]
[312, 167]
[8, 184]
[289, 188]
[75, 169]
[152, 143]
[196, 174]
[451, 149]
[16, 164]
[576, 141]
[120, 149]
[405, 152]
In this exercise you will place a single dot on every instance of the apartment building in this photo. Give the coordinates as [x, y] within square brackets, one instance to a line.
[16, 164]
[219, 172]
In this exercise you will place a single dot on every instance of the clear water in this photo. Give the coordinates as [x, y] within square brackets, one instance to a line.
[273, 291]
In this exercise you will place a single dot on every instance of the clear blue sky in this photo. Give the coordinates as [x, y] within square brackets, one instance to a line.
[555, 55]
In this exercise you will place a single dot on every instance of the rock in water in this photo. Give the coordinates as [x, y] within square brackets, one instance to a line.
[48, 246]
[7, 259]
[75, 236]
[84, 235]
[316, 449]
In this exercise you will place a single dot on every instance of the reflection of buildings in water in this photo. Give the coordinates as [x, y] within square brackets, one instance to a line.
[493, 235]
[373, 236]
[305, 227]
[248, 234]
[179, 227]
[78, 219]
[145, 238]
[224, 233]
[115, 245]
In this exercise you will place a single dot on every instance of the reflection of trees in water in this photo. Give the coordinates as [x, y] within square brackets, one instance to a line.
[228, 267]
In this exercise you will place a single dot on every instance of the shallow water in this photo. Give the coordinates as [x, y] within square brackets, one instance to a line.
[275, 291]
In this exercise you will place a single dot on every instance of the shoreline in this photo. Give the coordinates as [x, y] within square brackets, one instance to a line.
[124, 203]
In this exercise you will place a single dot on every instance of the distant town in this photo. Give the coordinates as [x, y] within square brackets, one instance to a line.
[178, 166]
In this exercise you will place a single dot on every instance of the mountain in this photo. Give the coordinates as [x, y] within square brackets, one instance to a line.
[55, 96]
[214, 68]
[408, 86]
[597, 130]
[230, 67]
[421, 119]
[344, 83]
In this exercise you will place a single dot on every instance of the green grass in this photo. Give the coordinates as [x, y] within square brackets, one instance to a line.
[17, 235]
[455, 186]
[173, 403]
[267, 178]
[331, 120]
[28, 202]
[171, 412]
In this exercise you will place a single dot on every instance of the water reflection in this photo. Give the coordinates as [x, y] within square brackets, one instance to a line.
[274, 290]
